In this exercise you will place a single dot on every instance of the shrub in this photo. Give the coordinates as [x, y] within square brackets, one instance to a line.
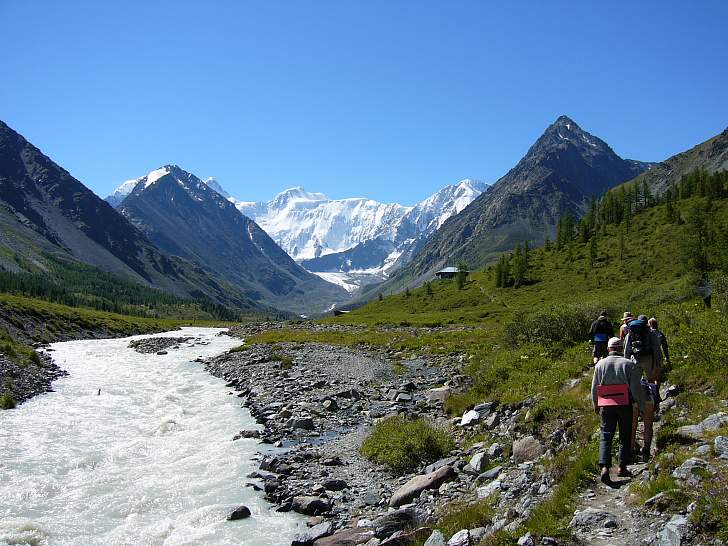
[7, 401]
[403, 445]
[555, 325]
[286, 361]
[239, 348]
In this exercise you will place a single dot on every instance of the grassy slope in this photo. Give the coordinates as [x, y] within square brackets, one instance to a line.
[497, 328]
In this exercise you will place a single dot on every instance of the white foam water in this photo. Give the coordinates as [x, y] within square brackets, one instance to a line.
[150, 460]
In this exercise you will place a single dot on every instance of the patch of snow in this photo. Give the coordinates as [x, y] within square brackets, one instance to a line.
[155, 175]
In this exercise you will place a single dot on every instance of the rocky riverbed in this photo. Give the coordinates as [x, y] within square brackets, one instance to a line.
[157, 345]
[320, 401]
[25, 382]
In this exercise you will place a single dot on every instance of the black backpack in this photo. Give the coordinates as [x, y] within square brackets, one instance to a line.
[639, 338]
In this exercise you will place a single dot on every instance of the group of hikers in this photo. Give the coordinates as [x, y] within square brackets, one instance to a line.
[626, 385]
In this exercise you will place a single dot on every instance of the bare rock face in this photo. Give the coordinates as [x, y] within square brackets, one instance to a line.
[416, 485]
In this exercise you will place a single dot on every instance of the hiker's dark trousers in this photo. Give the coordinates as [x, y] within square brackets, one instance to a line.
[612, 416]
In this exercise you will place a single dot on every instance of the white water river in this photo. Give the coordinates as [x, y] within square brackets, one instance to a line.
[148, 461]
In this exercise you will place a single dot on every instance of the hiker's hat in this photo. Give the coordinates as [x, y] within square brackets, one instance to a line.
[614, 344]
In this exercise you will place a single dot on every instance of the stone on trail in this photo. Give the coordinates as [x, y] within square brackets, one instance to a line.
[241, 512]
[312, 534]
[527, 449]
[335, 485]
[591, 519]
[436, 539]
[461, 538]
[488, 490]
[489, 474]
[412, 489]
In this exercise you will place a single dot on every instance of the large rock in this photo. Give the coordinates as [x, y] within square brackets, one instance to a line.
[527, 449]
[412, 489]
[439, 394]
[673, 532]
[312, 534]
[436, 539]
[407, 538]
[388, 524]
[347, 537]
[693, 470]
[469, 418]
[461, 538]
[591, 519]
[711, 423]
[241, 512]
[310, 506]
[721, 447]
[488, 490]
[477, 462]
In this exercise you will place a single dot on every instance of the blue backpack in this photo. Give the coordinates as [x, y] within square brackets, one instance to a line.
[639, 338]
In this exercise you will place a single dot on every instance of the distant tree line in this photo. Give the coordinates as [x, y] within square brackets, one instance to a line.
[705, 247]
[79, 285]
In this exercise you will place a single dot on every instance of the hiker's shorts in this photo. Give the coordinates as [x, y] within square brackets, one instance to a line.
[600, 349]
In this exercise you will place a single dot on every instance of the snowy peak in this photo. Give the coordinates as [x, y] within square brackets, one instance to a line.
[213, 184]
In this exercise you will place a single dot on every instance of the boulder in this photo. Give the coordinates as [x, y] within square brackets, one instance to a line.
[436, 539]
[305, 423]
[469, 418]
[495, 450]
[692, 470]
[388, 524]
[478, 461]
[335, 485]
[407, 538]
[490, 474]
[450, 461]
[330, 404]
[461, 538]
[310, 506]
[720, 446]
[488, 490]
[710, 423]
[347, 537]
[241, 512]
[591, 519]
[312, 534]
[439, 394]
[673, 532]
[412, 489]
[527, 449]
[526, 540]
[492, 421]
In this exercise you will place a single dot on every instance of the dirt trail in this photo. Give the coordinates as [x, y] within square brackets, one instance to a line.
[634, 524]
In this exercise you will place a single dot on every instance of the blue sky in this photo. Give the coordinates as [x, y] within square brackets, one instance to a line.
[388, 99]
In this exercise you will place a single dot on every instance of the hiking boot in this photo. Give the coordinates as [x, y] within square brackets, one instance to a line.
[624, 472]
[605, 479]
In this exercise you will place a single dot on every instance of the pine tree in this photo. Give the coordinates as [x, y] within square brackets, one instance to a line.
[462, 274]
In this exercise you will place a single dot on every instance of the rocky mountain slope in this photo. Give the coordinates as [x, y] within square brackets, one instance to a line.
[353, 241]
[47, 216]
[562, 170]
[711, 155]
[185, 217]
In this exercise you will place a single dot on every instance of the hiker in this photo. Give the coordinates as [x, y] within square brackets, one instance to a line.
[643, 346]
[615, 387]
[625, 320]
[662, 339]
[599, 333]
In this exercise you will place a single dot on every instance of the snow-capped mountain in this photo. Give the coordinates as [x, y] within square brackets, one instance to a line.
[185, 217]
[355, 240]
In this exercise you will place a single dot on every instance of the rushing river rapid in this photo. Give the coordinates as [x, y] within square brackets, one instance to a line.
[149, 460]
